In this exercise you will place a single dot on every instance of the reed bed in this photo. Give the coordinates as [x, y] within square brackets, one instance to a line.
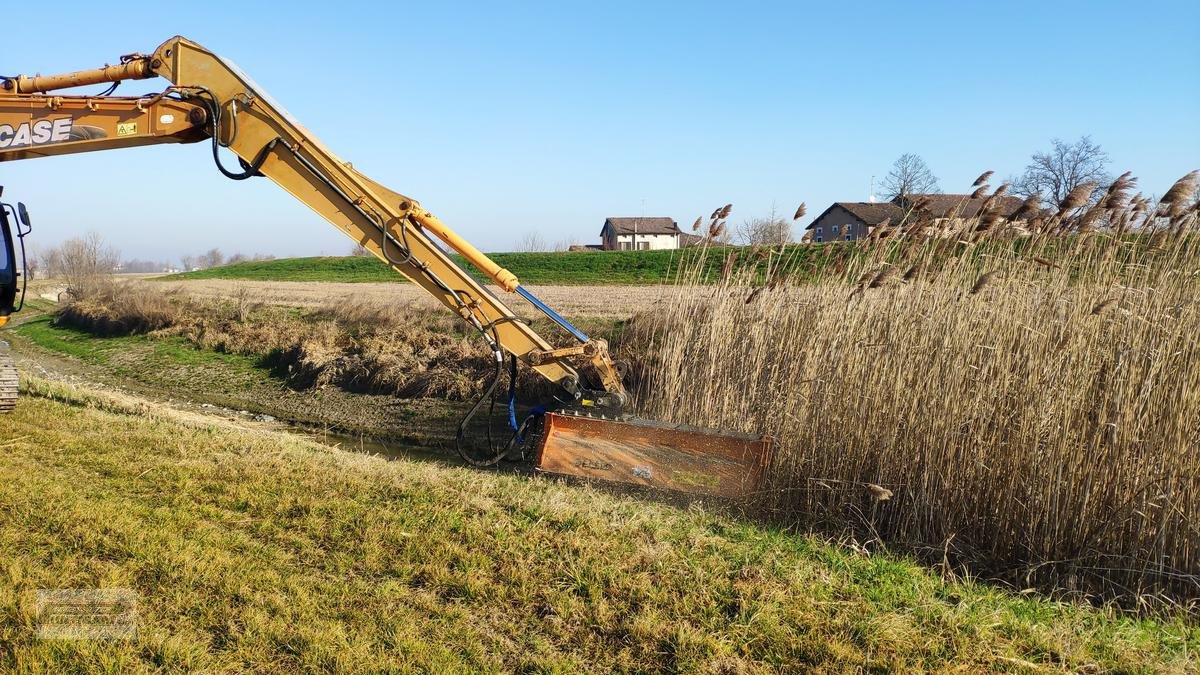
[1014, 398]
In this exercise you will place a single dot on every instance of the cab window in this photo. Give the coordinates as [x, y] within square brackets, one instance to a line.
[6, 268]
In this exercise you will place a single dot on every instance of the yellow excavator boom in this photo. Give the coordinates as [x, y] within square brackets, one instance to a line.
[210, 99]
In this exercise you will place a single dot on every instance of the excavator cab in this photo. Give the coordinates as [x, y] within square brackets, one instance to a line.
[14, 225]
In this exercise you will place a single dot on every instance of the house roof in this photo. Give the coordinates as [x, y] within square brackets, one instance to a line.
[935, 205]
[940, 206]
[643, 225]
[870, 213]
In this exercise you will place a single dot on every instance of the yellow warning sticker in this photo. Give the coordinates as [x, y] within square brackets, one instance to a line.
[126, 128]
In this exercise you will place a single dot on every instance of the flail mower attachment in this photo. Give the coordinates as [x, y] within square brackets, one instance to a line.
[672, 457]
[591, 439]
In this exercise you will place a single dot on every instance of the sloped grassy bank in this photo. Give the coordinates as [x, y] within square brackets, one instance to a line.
[259, 550]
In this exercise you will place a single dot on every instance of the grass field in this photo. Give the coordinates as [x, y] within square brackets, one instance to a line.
[579, 302]
[801, 262]
[251, 549]
[646, 267]
[582, 268]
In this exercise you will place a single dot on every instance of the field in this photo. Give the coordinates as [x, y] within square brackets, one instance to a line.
[598, 267]
[1011, 408]
[705, 265]
[593, 268]
[250, 548]
[607, 300]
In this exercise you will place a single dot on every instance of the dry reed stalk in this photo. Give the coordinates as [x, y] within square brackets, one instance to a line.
[881, 279]
[1028, 208]
[727, 268]
[1103, 306]
[1076, 198]
[1018, 435]
[1179, 193]
[982, 282]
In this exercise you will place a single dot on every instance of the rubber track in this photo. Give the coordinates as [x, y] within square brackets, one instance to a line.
[8, 380]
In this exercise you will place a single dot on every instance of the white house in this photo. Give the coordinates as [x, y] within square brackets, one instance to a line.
[642, 234]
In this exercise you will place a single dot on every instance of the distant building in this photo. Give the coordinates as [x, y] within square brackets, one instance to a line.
[846, 221]
[643, 234]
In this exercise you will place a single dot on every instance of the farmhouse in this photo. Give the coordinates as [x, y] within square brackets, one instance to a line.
[851, 220]
[643, 234]
[846, 221]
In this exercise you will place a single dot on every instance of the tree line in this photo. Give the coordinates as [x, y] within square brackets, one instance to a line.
[90, 255]
[1050, 174]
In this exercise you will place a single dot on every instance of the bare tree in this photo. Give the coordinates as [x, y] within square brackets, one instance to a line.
[909, 175]
[33, 262]
[531, 241]
[359, 251]
[211, 258]
[1066, 166]
[139, 266]
[50, 260]
[84, 263]
[565, 244]
[188, 262]
[771, 230]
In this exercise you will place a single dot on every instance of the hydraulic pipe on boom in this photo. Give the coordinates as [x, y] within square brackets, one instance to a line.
[210, 99]
[133, 67]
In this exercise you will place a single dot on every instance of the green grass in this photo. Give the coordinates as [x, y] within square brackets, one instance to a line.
[95, 349]
[647, 267]
[596, 267]
[588, 268]
[262, 551]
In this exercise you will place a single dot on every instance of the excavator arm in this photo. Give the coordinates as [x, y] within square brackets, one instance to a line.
[210, 99]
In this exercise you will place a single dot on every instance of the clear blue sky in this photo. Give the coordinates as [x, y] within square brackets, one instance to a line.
[552, 116]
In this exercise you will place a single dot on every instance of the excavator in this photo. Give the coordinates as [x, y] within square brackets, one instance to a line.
[585, 432]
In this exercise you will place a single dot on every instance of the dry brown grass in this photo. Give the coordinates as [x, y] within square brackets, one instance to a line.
[575, 301]
[1033, 419]
[360, 346]
[107, 309]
